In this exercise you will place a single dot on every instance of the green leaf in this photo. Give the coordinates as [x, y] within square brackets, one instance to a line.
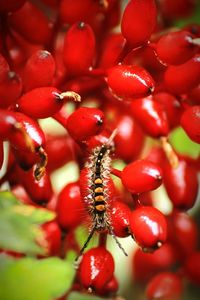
[183, 144]
[31, 279]
[19, 225]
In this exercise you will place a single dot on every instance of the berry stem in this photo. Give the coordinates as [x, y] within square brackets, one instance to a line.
[116, 172]
[169, 151]
[102, 239]
[196, 41]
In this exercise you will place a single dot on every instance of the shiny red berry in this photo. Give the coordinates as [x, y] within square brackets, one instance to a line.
[151, 115]
[69, 207]
[181, 184]
[192, 267]
[129, 139]
[39, 70]
[52, 236]
[129, 82]
[149, 227]
[183, 78]
[146, 265]
[11, 5]
[141, 176]
[182, 227]
[138, 21]
[175, 48]
[10, 89]
[166, 285]
[78, 59]
[85, 122]
[43, 102]
[190, 121]
[25, 21]
[96, 269]
[119, 216]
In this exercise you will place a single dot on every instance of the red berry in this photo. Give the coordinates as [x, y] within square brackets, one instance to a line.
[129, 82]
[78, 59]
[175, 48]
[151, 115]
[11, 5]
[8, 123]
[119, 216]
[40, 191]
[25, 21]
[177, 9]
[84, 123]
[192, 268]
[110, 288]
[52, 236]
[190, 121]
[141, 176]
[62, 147]
[96, 269]
[32, 129]
[76, 11]
[183, 78]
[166, 286]
[129, 139]
[171, 106]
[10, 89]
[181, 184]
[1, 154]
[39, 70]
[69, 207]
[182, 227]
[138, 21]
[149, 227]
[43, 102]
[111, 49]
[146, 265]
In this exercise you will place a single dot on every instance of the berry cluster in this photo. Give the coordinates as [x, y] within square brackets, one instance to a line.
[131, 78]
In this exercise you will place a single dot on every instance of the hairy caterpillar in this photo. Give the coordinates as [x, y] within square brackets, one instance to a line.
[97, 190]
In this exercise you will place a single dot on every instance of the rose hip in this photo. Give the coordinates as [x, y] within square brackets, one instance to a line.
[141, 176]
[129, 82]
[11, 5]
[69, 207]
[84, 123]
[79, 48]
[148, 227]
[182, 227]
[138, 21]
[151, 115]
[183, 78]
[62, 147]
[181, 184]
[43, 102]
[192, 267]
[40, 191]
[166, 285]
[25, 21]
[96, 269]
[175, 48]
[171, 106]
[1, 154]
[39, 70]
[10, 89]
[146, 265]
[129, 140]
[119, 216]
[52, 236]
[190, 121]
